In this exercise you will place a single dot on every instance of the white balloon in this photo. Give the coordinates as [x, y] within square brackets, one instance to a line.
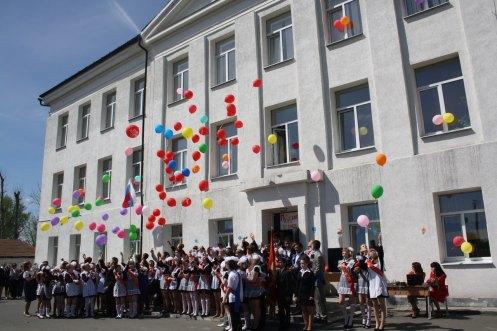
[146, 210]
[179, 90]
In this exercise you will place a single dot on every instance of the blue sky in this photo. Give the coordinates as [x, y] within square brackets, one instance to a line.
[43, 43]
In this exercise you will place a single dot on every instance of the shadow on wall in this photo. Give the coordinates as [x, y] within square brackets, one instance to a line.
[318, 152]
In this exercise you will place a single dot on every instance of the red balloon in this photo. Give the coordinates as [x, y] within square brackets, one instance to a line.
[230, 98]
[171, 178]
[337, 24]
[458, 241]
[203, 185]
[238, 124]
[192, 109]
[204, 131]
[221, 133]
[235, 141]
[257, 83]
[195, 138]
[326, 268]
[256, 149]
[150, 225]
[196, 155]
[178, 126]
[186, 202]
[169, 170]
[160, 153]
[156, 212]
[132, 131]
[159, 187]
[171, 202]
[295, 145]
[222, 141]
[161, 221]
[230, 110]
[162, 195]
[188, 94]
[169, 155]
[151, 218]
[179, 177]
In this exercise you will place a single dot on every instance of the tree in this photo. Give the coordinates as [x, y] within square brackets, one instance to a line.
[29, 234]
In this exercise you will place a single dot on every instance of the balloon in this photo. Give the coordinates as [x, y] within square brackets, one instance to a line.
[238, 124]
[146, 211]
[204, 119]
[337, 24]
[76, 194]
[345, 20]
[192, 109]
[54, 221]
[101, 240]
[78, 225]
[207, 203]
[458, 241]
[437, 119]
[449, 118]
[257, 82]
[203, 130]
[363, 131]
[467, 248]
[172, 164]
[230, 110]
[99, 202]
[186, 202]
[187, 133]
[51, 210]
[235, 141]
[226, 157]
[179, 177]
[156, 212]
[133, 236]
[256, 149]
[75, 213]
[159, 128]
[377, 191]
[420, 2]
[162, 195]
[82, 192]
[168, 134]
[121, 233]
[87, 206]
[123, 211]
[179, 90]
[161, 221]
[139, 209]
[363, 221]
[195, 138]
[188, 94]
[272, 139]
[177, 126]
[220, 133]
[101, 228]
[225, 165]
[185, 172]
[171, 202]
[315, 175]
[132, 131]
[133, 228]
[203, 185]
[150, 225]
[56, 202]
[138, 178]
[230, 98]
[195, 168]
[381, 159]
[92, 226]
[222, 141]
[106, 178]
[116, 229]
[151, 218]
[160, 154]
[45, 226]
[169, 155]
[105, 216]
[159, 187]
[202, 148]
[64, 220]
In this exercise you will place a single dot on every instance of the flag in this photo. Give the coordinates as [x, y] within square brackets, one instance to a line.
[271, 261]
[129, 195]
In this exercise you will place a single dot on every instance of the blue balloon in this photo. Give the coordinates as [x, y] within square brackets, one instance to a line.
[185, 172]
[168, 134]
[159, 128]
[172, 164]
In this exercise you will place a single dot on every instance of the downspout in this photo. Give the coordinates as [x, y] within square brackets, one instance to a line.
[143, 140]
[40, 100]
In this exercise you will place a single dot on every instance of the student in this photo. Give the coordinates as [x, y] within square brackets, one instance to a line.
[119, 291]
[347, 292]
[361, 270]
[285, 279]
[130, 276]
[306, 292]
[234, 294]
[438, 289]
[59, 294]
[29, 286]
[416, 269]
[378, 291]
[89, 289]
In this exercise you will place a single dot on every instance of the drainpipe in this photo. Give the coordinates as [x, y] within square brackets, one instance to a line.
[143, 140]
[40, 100]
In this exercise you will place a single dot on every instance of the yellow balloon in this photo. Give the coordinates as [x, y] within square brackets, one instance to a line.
[78, 225]
[207, 203]
[45, 226]
[64, 220]
[449, 118]
[187, 133]
[363, 131]
[467, 248]
[51, 210]
[272, 139]
[69, 209]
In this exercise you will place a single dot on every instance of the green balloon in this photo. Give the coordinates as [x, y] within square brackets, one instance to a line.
[377, 191]
[133, 236]
[88, 206]
[75, 213]
[99, 202]
[202, 148]
[204, 119]
[133, 228]
[106, 178]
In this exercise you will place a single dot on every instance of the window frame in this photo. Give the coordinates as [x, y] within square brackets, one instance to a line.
[84, 118]
[97, 250]
[106, 197]
[77, 246]
[113, 105]
[351, 223]
[224, 54]
[80, 180]
[141, 92]
[183, 153]
[279, 33]
[221, 235]
[63, 131]
[181, 74]
[53, 249]
[133, 164]
[176, 240]
[229, 152]
[287, 136]
[426, 7]
[57, 186]
[329, 14]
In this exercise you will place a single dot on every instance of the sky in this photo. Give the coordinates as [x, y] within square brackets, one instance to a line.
[43, 42]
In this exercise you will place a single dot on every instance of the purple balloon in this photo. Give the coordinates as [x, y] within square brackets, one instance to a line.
[115, 230]
[55, 220]
[124, 212]
[76, 194]
[101, 240]
[419, 2]
[105, 216]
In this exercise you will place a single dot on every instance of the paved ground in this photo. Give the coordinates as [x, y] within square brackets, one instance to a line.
[11, 318]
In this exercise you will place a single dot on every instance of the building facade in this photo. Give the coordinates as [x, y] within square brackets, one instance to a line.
[334, 97]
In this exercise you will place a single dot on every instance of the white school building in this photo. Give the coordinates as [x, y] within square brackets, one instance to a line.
[334, 97]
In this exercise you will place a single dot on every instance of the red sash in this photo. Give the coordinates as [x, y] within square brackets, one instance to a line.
[375, 269]
[349, 278]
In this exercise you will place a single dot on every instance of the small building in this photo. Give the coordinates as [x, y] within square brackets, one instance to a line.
[15, 251]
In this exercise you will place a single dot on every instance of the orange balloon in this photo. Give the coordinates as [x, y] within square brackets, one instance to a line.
[225, 157]
[195, 169]
[345, 20]
[381, 159]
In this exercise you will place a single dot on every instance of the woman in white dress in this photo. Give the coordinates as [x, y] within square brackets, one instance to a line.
[378, 291]
[347, 286]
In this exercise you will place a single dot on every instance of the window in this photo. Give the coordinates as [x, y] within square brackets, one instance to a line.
[98, 250]
[109, 111]
[136, 168]
[179, 148]
[131, 247]
[80, 183]
[225, 60]
[106, 167]
[62, 131]
[176, 234]
[416, 6]
[354, 118]
[280, 38]
[180, 79]
[229, 149]
[84, 122]
[463, 214]
[225, 232]
[360, 235]
[53, 250]
[74, 247]
[58, 185]
[336, 9]
[139, 97]
[284, 125]
[441, 91]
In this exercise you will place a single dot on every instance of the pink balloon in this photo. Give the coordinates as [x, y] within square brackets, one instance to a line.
[92, 226]
[101, 228]
[438, 120]
[315, 175]
[56, 202]
[139, 210]
[128, 151]
[363, 221]
[121, 234]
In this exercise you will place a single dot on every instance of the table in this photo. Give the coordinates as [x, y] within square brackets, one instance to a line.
[420, 291]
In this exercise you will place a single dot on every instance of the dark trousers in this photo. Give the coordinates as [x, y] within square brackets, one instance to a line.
[284, 311]
[236, 322]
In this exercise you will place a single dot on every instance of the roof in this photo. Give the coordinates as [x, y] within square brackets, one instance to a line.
[104, 58]
[15, 248]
